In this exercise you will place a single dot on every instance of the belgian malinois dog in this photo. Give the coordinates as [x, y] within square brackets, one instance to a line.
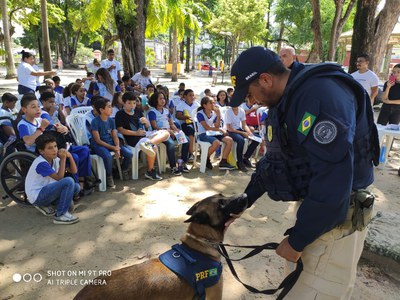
[152, 280]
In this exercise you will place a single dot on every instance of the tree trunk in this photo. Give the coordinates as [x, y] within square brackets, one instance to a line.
[362, 30]
[7, 42]
[383, 27]
[40, 49]
[46, 40]
[170, 46]
[316, 51]
[187, 68]
[281, 31]
[268, 25]
[386, 62]
[182, 52]
[132, 37]
[194, 52]
[174, 55]
[337, 26]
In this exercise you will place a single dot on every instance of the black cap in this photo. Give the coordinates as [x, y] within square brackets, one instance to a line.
[248, 67]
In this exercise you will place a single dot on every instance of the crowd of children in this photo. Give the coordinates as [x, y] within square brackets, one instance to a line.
[127, 113]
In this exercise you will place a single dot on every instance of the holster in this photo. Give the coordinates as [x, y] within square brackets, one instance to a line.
[363, 202]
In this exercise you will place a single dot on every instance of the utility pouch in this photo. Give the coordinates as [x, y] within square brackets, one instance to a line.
[363, 201]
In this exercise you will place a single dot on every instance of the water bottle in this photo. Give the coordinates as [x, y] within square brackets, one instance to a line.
[382, 155]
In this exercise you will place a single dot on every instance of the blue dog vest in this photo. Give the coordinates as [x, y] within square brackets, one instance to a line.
[197, 269]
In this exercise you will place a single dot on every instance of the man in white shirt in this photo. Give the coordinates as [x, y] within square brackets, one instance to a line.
[113, 66]
[366, 77]
[142, 79]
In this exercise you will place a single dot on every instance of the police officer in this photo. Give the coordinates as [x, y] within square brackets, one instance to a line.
[321, 145]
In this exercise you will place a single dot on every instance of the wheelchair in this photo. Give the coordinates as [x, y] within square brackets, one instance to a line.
[13, 170]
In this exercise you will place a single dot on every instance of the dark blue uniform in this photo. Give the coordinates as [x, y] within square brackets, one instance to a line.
[320, 142]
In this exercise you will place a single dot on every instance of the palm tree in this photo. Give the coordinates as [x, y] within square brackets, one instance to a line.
[7, 42]
[179, 15]
[45, 33]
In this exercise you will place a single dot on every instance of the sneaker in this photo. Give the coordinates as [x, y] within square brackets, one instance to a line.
[147, 148]
[209, 164]
[241, 166]
[125, 174]
[66, 218]
[191, 158]
[175, 171]
[225, 166]
[110, 181]
[45, 210]
[152, 175]
[248, 163]
[183, 168]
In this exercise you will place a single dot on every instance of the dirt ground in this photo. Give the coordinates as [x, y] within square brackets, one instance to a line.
[141, 219]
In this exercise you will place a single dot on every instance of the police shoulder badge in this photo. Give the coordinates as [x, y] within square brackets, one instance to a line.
[325, 132]
[306, 123]
[269, 133]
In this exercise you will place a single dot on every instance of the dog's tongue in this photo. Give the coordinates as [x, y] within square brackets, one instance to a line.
[236, 205]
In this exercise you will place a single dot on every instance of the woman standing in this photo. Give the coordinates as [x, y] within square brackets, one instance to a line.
[105, 85]
[27, 74]
[390, 111]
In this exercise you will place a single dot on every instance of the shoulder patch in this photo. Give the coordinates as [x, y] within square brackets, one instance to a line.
[325, 132]
[306, 123]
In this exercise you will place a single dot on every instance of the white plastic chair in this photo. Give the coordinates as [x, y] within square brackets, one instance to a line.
[204, 146]
[77, 125]
[81, 110]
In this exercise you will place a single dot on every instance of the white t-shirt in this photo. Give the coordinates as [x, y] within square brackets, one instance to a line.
[24, 75]
[182, 106]
[235, 120]
[91, 67]
[201, 116]
[38, 176]
[138, 78]
[367, 79]
[114, 72]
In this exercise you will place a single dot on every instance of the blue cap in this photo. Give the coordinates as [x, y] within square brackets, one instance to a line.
[248, 67]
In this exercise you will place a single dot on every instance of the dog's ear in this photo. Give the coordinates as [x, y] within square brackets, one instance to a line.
[192, 209]
[199, 218]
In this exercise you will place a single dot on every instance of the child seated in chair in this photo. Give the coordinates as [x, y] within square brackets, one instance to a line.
[209, 119]
[7, 133]
[31, 126]
[46, 184]
[235, 120]
[105, 139]
[184, 113]
[133, 125]
[160, 119]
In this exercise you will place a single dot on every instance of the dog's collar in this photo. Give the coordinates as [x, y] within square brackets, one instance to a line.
[208, 242]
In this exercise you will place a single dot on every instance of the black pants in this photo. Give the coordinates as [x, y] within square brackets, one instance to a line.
[389, 114]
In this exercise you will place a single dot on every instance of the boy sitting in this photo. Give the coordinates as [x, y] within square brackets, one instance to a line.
[105, 139]
[47, 184]
[132, 124]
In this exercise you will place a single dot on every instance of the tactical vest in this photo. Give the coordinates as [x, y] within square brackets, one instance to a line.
[284, 172]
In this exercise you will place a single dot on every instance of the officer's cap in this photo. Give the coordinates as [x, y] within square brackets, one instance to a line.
[248, 67]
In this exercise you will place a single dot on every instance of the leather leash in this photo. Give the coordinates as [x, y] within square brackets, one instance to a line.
[286, 284]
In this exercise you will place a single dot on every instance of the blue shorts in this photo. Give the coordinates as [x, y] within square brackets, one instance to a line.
[209, 139]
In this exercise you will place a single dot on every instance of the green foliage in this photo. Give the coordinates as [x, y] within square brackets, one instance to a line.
[243, 21]
[83, 54]
[150, 57]
[126, 12]
[212, 54]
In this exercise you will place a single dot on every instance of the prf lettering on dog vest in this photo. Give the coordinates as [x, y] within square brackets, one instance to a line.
[207, 273]
[199, 271]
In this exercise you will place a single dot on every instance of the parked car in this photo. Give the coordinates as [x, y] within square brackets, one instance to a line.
[207, 68]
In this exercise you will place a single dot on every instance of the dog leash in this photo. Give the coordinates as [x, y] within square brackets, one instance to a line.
[286, 284]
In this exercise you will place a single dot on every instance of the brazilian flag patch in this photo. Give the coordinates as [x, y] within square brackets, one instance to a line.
[306, 123]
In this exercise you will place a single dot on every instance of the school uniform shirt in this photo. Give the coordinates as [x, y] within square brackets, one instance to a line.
[39, 176]
[104, 128]
[6, 113]
[235, 120]
[24, 75]
[210, 121]
[104, 92]
[91, 67]
[144, 81]
[161, 117]
[190, 108]
[106, 63]
[59, 89]
[67, 102]
[27, 128]
[53, 119]
[85, 102]
[89, 116]
[129, 122]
